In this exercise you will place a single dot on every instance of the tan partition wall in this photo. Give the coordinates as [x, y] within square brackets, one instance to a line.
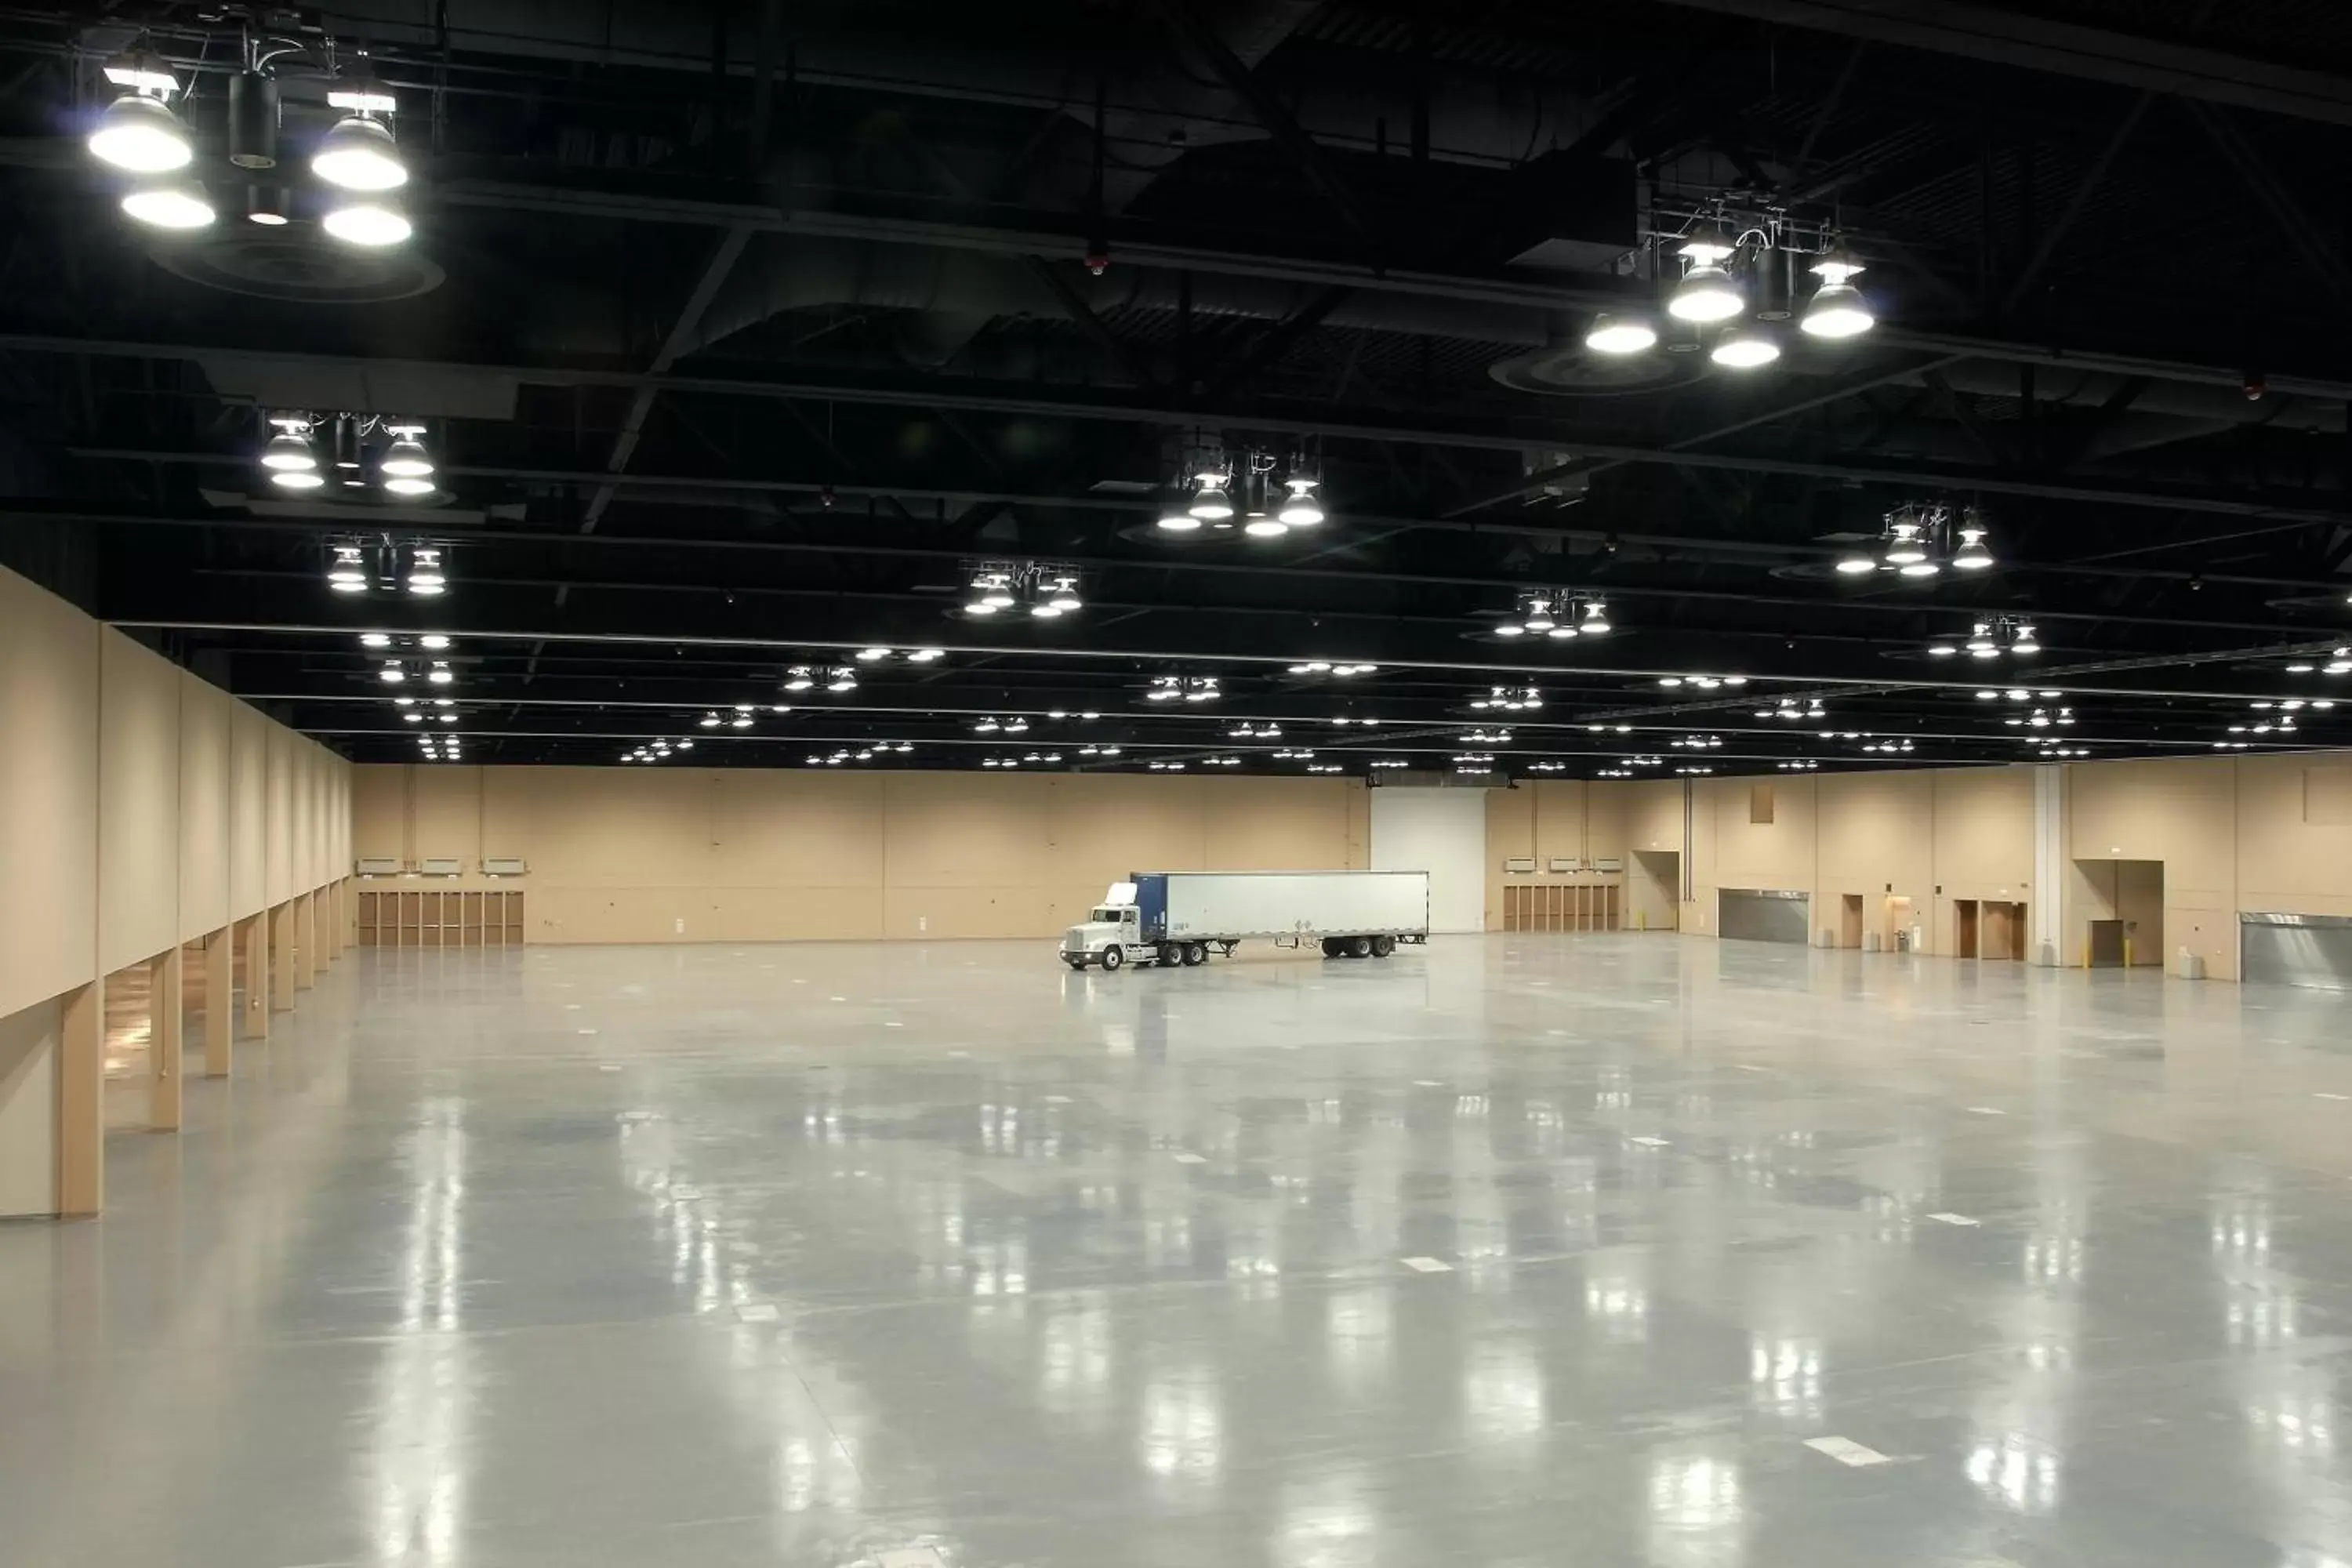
[248, 812]
[49, 781]
[205, 819]
[739, 855]
[139, 803]
[136, 813]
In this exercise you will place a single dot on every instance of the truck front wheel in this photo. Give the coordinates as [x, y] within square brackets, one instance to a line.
[1112, 958]
[1382, 946]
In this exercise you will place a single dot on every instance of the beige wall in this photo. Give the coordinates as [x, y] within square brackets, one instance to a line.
[2263, 834]
[49, 795]
[653, 854]
[1548, 819]
[138, 802]
[205, 819]
[133, 815]
[248, 807]
[2231, 834]
[1930, 837]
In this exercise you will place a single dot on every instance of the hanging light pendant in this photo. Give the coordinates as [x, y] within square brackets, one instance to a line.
[142, 134]
[1705, 294]
[358, 154]
[1745, 348]
[1614, 334]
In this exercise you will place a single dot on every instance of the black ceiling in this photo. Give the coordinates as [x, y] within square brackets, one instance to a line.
[745, 332]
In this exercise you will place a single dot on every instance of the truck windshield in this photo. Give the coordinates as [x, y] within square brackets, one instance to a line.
[1109, 914]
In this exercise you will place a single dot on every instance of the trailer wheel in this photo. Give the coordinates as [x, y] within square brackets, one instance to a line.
[1195, 952]
[1382, 946]
[1332, 948]
[1359, 947]
[1112, 957]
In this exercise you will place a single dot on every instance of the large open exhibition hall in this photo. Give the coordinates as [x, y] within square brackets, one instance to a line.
[1175, 783]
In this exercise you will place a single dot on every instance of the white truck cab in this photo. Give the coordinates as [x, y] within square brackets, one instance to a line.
[1110, 935]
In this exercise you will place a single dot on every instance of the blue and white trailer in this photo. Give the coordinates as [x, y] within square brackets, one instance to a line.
[1169, 918]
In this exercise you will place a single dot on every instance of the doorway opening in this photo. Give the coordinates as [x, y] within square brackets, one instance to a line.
[1653, 890]
[1896, 920]
[1850, 920]
[2002, 930]
[2122, 913]
[1964, 927]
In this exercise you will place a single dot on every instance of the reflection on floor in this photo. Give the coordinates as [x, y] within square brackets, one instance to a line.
[1601, 1249]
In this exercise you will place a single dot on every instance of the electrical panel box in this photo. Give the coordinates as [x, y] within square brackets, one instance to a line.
[376, 866]
[1566, 863]
[1520, 865]
[440, 866]
[503, 865]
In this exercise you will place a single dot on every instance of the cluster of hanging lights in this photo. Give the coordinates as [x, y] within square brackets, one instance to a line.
[357, 159]
[382, 567]
[1049, 592]
[834, 678]
[1919, 540]
[1793, 710]
[1218, 490]
[392, 445]
[1990, 639]
[1556, 613]
[1724, 260]
[859, 754]
[1182, 688]
[657, 751]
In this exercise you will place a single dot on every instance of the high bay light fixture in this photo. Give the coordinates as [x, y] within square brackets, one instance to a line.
[836, 678]
[1049, 592]
[1727, 280]
[393, 448]
[383, 566]
[1918, 540]
[1218, 488]
[1989, 639]
[1559, 613]
[1182, 688]
[357, 162]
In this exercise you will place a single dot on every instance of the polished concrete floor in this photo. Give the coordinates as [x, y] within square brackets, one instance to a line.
[1606, 1250]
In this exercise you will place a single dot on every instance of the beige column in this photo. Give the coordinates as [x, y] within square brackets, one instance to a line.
[306, 947]
[257, 977]
[167, 993]
[281, 958]
[81, 1103]
[220, 1000]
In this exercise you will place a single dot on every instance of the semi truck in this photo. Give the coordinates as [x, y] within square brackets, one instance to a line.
[1172, 918]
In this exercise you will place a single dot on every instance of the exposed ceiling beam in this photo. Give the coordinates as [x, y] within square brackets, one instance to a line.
[1758, 685]
[2019, 37]
[1485, 436]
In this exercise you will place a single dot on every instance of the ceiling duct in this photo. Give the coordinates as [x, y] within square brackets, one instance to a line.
[960, 292]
